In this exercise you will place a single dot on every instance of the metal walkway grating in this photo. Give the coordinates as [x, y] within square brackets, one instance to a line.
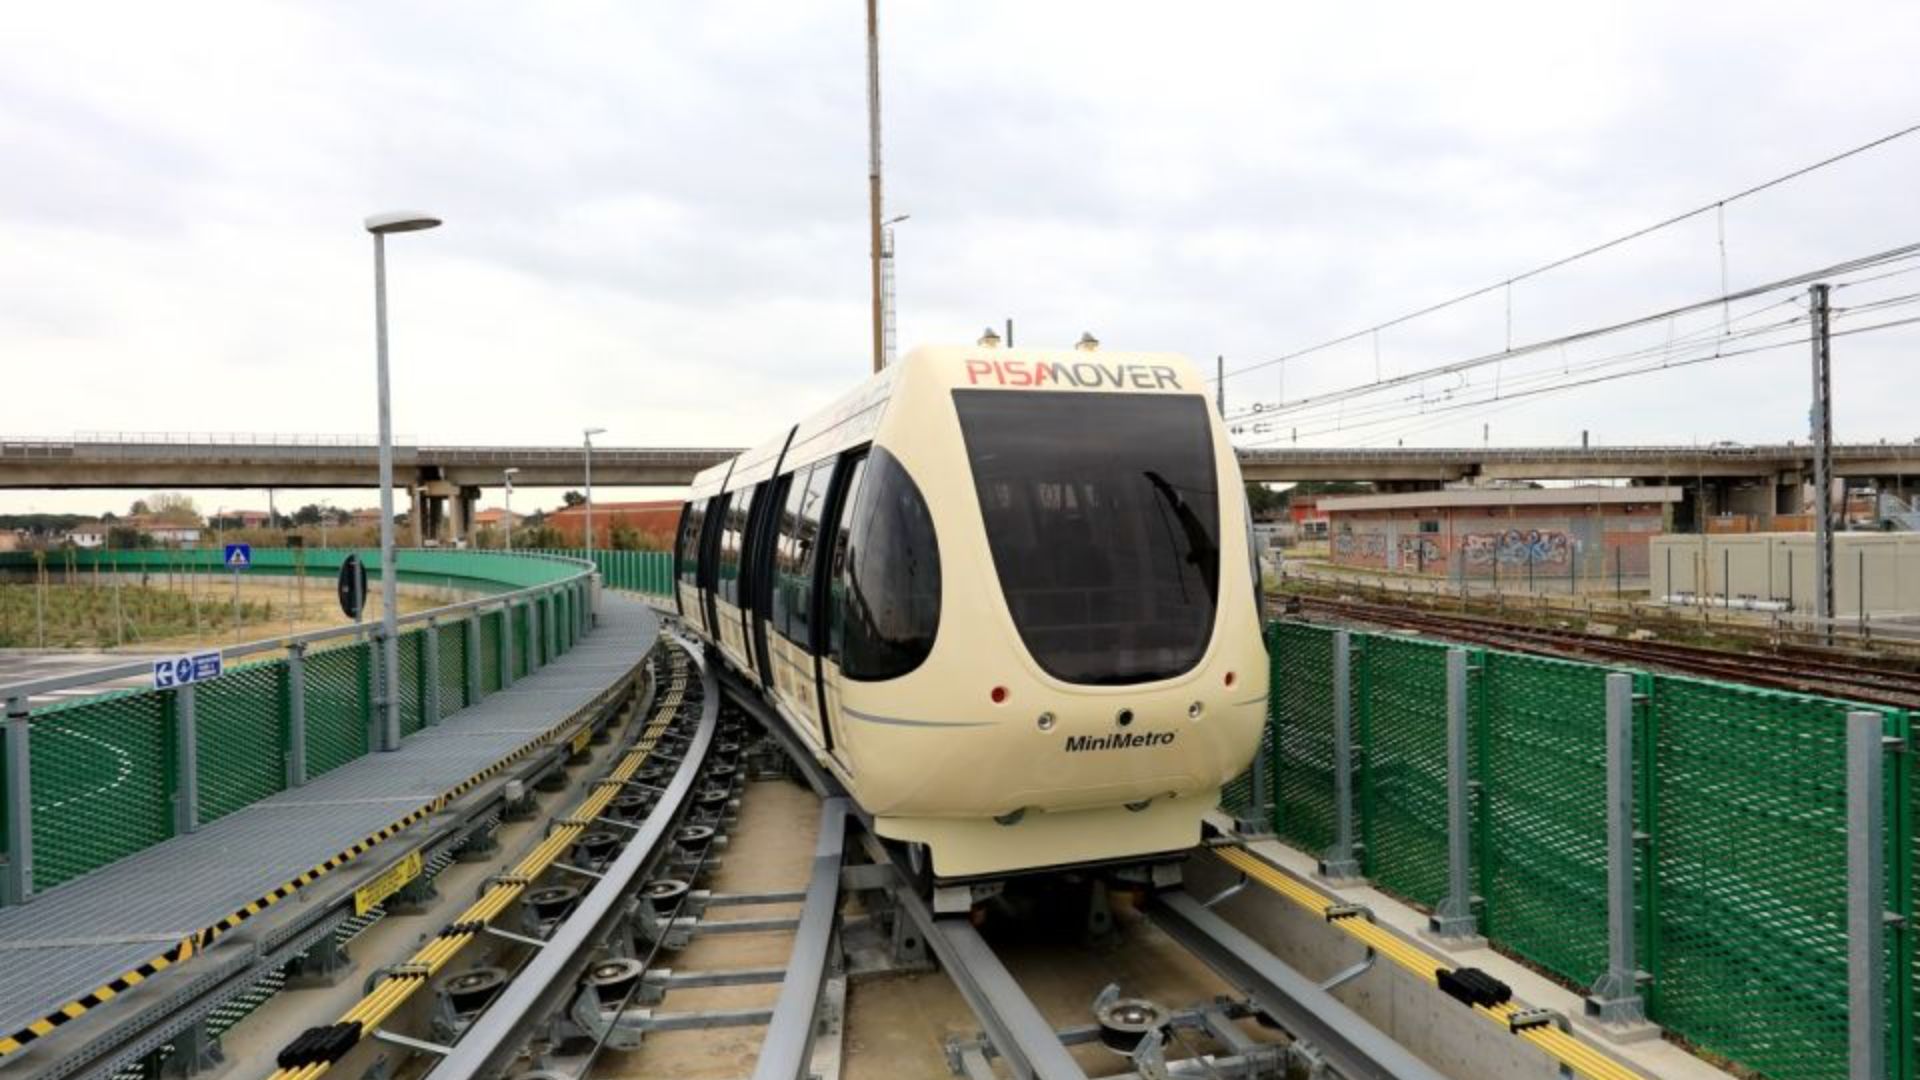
[85, 932]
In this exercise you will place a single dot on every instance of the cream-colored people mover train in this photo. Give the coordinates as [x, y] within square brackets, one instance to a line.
[1007, 596]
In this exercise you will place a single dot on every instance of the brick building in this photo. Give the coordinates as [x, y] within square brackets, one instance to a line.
[1486, 532]
[656, 520]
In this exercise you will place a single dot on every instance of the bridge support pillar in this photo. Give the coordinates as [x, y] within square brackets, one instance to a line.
[416, 512]
[462, 507]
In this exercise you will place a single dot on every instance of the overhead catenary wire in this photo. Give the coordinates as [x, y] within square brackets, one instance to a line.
[1444, 409]
[1887, 257]
[1716, 206]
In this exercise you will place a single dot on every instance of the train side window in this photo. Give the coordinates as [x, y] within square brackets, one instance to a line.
[689, 548]
[892, 570]
[750, 540]
[806, 536]
[710, 540]
[837, 568]
[785, 568]
[766, 551]
[731, 540]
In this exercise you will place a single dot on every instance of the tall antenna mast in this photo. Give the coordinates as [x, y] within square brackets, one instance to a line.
[873, 176]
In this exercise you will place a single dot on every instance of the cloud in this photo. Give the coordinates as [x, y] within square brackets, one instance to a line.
[656, 213]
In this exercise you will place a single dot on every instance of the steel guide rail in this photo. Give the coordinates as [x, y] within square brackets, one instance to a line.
[553, 972]
[1571, 1052]
[315, 1052]
[196, 942]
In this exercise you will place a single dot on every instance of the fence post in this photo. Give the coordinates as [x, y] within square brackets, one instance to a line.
[376, 694]
[1453, 921]
[506, 645]
[1866, 897]
[16, 885]
[1615, 999]
[472, 657]
[1339, 865]
[296, 715]
[580, 606]
[430, 674]
[186, 736]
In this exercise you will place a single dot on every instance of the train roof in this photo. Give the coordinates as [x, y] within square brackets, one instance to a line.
[854, 416]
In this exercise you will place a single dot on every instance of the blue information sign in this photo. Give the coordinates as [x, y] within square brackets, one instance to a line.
[181, 670]
[239, 556]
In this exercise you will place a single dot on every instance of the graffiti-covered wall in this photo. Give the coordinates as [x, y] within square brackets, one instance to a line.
[1489, 541]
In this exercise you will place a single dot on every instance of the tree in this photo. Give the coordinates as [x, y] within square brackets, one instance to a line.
[139, 508]
[126, 538]
[623, 537]
[310, 514]
[1263, 500]
[573, 498]
[174, 508]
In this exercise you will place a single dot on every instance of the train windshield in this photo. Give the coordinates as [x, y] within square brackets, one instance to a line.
[1103, 516]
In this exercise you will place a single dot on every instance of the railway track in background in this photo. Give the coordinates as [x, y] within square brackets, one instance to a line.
[1794, 668]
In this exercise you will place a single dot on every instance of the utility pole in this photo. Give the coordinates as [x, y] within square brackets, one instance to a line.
[873, 174]
[1822, 422]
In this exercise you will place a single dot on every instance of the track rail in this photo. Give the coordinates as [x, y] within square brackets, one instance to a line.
[316, 1051]
[554, 972]
[1028, 1045]
[1795, 672]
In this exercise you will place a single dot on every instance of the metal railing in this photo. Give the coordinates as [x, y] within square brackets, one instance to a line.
[136, 756]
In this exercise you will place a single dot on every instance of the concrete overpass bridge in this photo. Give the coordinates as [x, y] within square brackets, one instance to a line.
[444, 482]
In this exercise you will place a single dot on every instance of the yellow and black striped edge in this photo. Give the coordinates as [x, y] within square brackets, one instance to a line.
[315, 1051]
[1573, 1053]
[186, 947]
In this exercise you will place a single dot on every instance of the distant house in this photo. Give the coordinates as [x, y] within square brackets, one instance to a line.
[658, 520]
[88, 534]
[367, 518]
[496, 518]
[12, 540]
[175, 534]
[244, 519]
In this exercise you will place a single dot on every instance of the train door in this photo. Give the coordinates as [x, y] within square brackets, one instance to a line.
[795, 619]
[754, 509]
[763, 548]
[831, 593]
[710, 564]
[686, 559]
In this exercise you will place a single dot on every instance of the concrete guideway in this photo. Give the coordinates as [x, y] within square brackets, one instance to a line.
[58, 953]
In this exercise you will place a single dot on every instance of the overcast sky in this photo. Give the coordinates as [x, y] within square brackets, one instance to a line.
[656, 212]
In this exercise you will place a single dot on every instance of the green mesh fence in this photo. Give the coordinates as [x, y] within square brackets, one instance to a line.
[1750, 950]
[1740, 797]
[240, 728]
[490, 652]
[1301, 719]
[103, 769]
[1401, 702]
[102, 774]
[648, 572]
[413, 682]
[1542, 844]
[453, 668]
[338, 701]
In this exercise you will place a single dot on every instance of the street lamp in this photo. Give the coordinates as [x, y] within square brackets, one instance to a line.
[507, 475]
[380, 225]
[587, 436]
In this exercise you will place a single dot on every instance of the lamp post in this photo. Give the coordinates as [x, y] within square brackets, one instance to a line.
[587, 436]
[507, 475]
[380, 225]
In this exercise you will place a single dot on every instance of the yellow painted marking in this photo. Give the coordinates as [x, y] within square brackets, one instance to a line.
[391, 880]
[1560, 1045]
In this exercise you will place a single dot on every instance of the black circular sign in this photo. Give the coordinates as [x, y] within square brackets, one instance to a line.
[353, 587]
